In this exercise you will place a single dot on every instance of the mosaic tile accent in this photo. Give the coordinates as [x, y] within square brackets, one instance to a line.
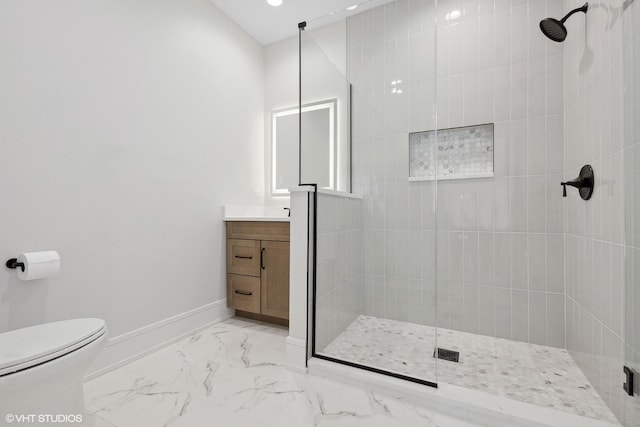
[465, 152]
[537, 374]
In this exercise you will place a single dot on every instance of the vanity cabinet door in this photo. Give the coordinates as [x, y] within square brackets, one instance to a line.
[274, 257]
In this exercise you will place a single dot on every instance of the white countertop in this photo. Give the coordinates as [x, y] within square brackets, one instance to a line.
[255, 213]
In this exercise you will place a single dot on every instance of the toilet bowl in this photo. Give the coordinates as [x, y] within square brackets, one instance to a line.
[42, 369]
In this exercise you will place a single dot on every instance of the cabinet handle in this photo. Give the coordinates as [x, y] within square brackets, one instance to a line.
[244, 293]
[262, 258]
[243, 257]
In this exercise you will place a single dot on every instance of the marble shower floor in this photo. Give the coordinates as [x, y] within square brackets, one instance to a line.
[537, 374]
[232, 375]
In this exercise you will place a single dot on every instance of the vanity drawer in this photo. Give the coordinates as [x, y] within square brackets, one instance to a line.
[258, 230]
[243, 257]
[244, 292]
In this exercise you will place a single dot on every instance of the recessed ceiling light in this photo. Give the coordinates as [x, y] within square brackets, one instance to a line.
[274, 2]
[352, 7]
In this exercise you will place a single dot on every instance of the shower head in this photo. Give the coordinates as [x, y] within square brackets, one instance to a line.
[554, 29]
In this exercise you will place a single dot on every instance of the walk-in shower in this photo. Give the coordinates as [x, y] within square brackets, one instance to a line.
[455, 258]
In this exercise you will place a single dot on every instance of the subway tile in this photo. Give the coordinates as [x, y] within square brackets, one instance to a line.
[502, 37]
[502, 93]
[538, 318]
[442, 269]
[537, 262]
[502, 317]
[428, 256]
[518, 89]
[471, 308]
[518, 268]
[536, 88]
[390, 253]
[536, 135]
[518, 148]
[555, 263]
[457, 314]
[456, 101]
[486, 205]
[519, 315]
[486, 311]
[456, 257]
[402, 253]
[554, 87]
[470, 33]
[536, 204]
[485, 39]
[443, 306]
[618, 287]
[502, 262]
[470, 271]
[537, 41]
[554, 204]
[469, 193]
[556, 320]
[414, 205]
[519, 31]
[554, 141]
[518, 204]
[470, 99]
[502, 155]
[486, 259]
[485, 96]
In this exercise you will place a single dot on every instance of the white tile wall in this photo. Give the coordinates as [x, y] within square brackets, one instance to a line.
[490, 69]
[595, 230]
[340, 259]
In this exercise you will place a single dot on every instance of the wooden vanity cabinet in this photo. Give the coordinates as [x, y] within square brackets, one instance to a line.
[258, 269]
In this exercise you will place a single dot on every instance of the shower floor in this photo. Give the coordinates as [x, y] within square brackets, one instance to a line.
[531, 373]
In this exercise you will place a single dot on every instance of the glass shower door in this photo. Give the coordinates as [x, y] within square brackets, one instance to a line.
[375, 271]
[631, 22]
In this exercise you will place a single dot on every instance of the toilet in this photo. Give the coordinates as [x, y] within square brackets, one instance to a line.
[42, 369]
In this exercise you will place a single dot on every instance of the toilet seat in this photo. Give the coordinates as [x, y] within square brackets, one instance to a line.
[27, 347]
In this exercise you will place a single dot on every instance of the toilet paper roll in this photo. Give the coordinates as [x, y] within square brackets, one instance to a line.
[39, 265]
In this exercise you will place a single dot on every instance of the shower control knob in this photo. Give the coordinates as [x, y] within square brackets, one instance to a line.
[584, 183]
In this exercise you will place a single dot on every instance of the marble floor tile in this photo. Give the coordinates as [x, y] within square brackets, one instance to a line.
[541, 375]
[233, 374]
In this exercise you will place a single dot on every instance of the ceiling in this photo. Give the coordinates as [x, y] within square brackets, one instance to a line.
[268, 24]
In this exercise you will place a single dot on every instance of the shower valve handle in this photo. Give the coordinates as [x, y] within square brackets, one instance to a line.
[577, 183]
[584, 183]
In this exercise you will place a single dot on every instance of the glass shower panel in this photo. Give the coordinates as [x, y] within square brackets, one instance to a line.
[325, 143]
[376, 276]
[631, 154]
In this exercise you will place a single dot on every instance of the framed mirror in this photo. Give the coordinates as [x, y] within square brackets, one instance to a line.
[316, 162]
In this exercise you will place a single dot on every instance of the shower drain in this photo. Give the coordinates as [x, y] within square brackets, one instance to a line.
[444, 354]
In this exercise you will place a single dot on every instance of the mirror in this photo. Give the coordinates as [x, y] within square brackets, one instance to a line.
[318, 159]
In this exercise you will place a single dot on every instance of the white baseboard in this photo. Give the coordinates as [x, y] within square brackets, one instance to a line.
[126, 348]
[296, 355]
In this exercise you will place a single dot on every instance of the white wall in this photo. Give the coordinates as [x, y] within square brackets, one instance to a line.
[125, 127]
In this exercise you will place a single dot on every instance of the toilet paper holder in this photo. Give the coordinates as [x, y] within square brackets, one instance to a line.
[13, 263]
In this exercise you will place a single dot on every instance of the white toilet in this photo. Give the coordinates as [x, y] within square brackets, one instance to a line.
[42, 369]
